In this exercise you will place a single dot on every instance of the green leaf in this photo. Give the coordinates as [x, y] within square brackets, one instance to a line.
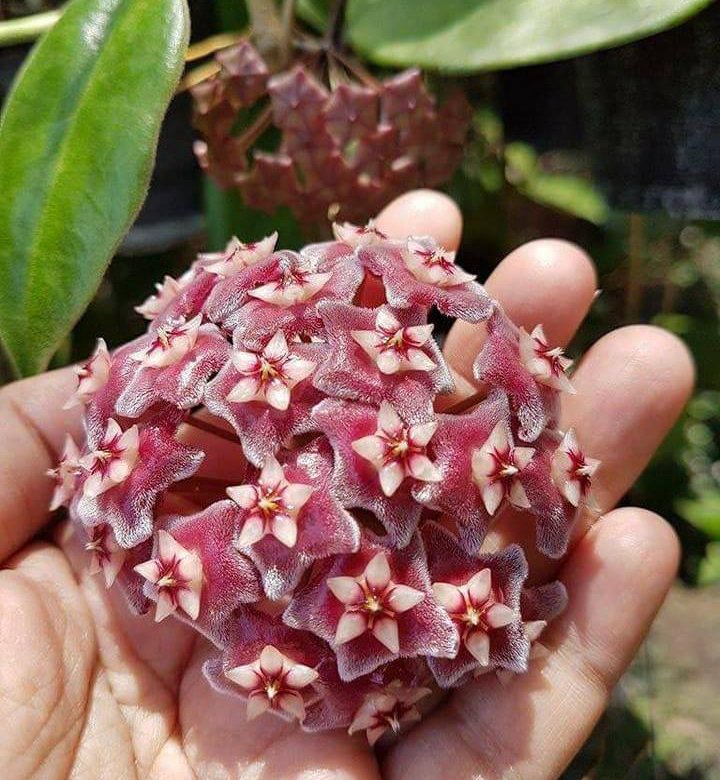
[77, 141]
[470, 35]
[571, 194]
[703, 512]
[709, 570]
[314, 12]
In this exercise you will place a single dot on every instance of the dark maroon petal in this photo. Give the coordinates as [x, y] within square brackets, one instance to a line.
[229, 578]
[261, 428]
[554, 517]
[128, 508]
[350, 373]
[355, 481]
[467, 301]
[180, 385]
[448, 562]
[424, 630]
[499, 365]
[230, 293]
[451, 450]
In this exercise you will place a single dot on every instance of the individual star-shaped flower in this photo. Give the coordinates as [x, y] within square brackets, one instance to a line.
[168, 345]
[175, 576]
[374, 606]
[106, 555]
[288, 299]
[180, 301]
[271, 506]
[372, 601]
[547, 364]
[422, 273]
[113, 461]
[65, 474]
[91, 376]
[554, 515]
[238, 256]
[342, 701]
[398, 451]
[501, 365]
[269, 376]
[497, 467]
[284, 680]
[382, 355]
[231, 292]
[265, 393]
[322, 526]
[229, 577]
[539, 606]
[358, 235]
[378, 459]
[391, 709]
[128, 476]
[573, 472]
[172, 365]
[166, 292]
[481, 594]
[273, 680]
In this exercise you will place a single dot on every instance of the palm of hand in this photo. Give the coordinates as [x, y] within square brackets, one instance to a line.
[88, 690]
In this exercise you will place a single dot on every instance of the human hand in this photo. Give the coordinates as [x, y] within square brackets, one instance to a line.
[89, 690]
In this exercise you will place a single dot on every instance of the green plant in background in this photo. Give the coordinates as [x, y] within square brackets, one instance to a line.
[77, 146]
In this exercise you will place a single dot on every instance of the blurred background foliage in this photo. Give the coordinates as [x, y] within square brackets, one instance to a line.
[617, 150]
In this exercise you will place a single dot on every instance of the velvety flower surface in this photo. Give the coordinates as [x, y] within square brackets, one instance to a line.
[267, 463]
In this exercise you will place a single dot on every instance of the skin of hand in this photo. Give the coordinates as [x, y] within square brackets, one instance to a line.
[88, 690]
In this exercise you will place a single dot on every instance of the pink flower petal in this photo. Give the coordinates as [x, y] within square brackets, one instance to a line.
[346, 590]
[478, 644]
[449, 597]
[284, 529]
[479, 587]
[385, 630]
[402, 598]
[377, 572]
[350, 626]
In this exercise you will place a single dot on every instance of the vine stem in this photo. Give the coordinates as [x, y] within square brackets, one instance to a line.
[334, 34]
[27, 28]
[208, 427]
[465, 404]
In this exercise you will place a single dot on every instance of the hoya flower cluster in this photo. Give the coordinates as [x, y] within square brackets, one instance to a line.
[266, 464]
[349, 148]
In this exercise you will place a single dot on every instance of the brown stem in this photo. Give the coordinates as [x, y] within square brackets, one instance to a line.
[333, 36]
[256, 129]
[465, 404]
[357, 70]
[215, 430]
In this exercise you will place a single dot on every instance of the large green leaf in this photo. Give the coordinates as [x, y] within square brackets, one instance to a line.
[469, 35]
[77, 141]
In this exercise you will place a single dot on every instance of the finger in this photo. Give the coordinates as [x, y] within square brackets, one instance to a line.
[548, 282]
[419, 212]
[46, 662]
[533, 726]
[32, 431]
[632, 386]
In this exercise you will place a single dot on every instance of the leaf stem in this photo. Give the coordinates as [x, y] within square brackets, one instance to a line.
[27, 28]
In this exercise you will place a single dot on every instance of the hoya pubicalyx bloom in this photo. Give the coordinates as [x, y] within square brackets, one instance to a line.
[273, 463]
